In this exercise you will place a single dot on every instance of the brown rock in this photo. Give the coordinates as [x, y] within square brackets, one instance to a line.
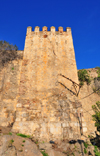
[10, 152]
[12, 145]
[45, 146]
[52, 152]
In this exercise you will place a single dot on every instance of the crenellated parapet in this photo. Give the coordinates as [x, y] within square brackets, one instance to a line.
[45, 30]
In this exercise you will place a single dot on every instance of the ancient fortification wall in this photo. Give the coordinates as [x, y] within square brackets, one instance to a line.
[38, 94]
[43, 102]
[48, 54]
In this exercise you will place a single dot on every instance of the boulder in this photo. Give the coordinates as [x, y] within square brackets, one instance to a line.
[12, 145]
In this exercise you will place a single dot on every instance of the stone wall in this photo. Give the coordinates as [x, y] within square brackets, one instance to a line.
[43, 103]
[9, 84]
[49, 117]
[37, 93]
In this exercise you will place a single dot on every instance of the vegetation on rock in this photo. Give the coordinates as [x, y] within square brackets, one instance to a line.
[97, 153]
[96, 87]
[8, 52]
[23, 135]
[4, 45]
[43, 153]
[98, 71]
[83, 76]
[85, 151]
[96, 116]
[86, 144]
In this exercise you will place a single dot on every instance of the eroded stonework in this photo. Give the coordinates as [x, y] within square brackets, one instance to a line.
[39, 96]
[43, 104]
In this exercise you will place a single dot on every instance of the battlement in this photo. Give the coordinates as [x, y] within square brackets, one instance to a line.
[45, 30]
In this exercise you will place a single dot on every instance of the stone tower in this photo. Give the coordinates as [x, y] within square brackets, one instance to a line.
[46, 106]
[49, 54]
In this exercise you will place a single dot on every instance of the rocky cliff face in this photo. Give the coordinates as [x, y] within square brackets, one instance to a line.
[88, 97]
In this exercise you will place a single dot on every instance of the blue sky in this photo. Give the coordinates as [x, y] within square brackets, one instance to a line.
[83, 16]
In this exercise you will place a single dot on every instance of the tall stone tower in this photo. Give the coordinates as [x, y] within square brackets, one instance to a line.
[49, 54]
[46, 106]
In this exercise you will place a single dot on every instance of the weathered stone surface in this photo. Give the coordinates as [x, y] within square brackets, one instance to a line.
[14, 145]
[50, 121]
[52, 152]
[76, 154]
[45, 146]
[63, 146]
[11, 151]
[36, 98]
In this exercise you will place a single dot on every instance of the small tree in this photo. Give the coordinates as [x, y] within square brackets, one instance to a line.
[8, 52]
[98, 71]
[96, 116]
[7, 46]
[83, 76]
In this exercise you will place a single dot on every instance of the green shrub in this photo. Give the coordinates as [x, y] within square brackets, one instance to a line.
[36, 142]
[12, 141]
[10, 133]
[86, 144]
[96, 116]
[85, 151]
[23, 140]
[90, 136]
[83, 76]
[98, 71]
[97, 153]
[43, 153]
[81, 83]
[23, 135]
